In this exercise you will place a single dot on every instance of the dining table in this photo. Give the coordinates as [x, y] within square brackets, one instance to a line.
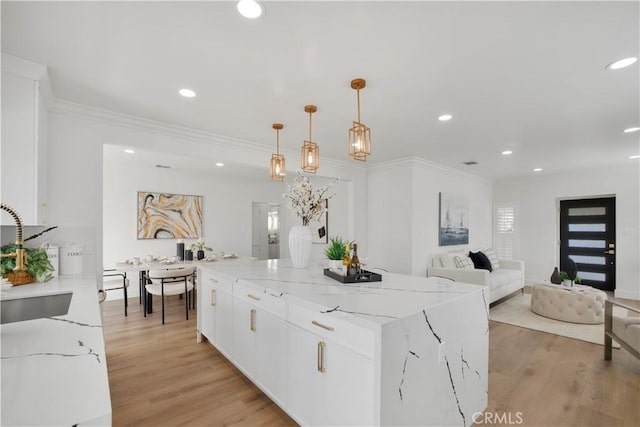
[165, 263]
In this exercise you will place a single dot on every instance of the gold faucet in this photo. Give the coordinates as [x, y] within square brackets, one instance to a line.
[20, 271]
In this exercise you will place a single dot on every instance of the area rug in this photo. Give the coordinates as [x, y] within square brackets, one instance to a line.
[516, 311]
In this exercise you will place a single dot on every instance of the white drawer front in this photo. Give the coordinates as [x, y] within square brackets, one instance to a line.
[256, 295]
[217, 280]
[341, 331]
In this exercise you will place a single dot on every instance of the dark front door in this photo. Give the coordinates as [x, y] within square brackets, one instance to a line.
[587, 236]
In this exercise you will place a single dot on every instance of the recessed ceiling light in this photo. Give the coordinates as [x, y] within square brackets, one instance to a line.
[637, 156]
[621, 63]
[219, 164]
[445, 117]
[249, 8]
[507, 152]
[130, 151]
[537, 169]
[187, 93]
[629, 130]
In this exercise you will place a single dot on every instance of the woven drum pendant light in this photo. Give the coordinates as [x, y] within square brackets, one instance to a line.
[310, 155]
[359, 134]
[277, 160]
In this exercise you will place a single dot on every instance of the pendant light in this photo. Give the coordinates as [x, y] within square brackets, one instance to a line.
[310, 158]
[277, 160]
[359, 134]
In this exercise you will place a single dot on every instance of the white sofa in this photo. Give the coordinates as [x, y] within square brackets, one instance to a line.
[503, 281]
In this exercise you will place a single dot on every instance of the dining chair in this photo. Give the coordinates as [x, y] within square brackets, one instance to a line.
[113, 280]
[175, 281]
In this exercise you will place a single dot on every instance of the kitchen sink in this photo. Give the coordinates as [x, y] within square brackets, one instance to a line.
[28, 307]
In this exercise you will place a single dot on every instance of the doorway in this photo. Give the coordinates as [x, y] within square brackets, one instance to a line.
[587, 236]
[265, 230]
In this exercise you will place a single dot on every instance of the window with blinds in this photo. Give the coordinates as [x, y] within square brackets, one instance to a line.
[505, 231]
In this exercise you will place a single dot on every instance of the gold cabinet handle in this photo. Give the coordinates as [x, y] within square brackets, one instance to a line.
[213, 280]
[253, 297]
[610, 252]
[328, 328]
[213, 297]
[321, 347]
[252, 321]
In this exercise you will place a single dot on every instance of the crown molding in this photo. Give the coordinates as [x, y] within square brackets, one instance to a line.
[33, 71]
[415, 161]
[128, 121]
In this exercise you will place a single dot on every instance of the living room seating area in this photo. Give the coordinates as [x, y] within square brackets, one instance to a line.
[503, 277]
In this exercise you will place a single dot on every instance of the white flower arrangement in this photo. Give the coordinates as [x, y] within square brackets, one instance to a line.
[304, 201]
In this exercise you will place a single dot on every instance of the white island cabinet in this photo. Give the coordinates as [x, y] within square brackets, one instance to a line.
[404, 351]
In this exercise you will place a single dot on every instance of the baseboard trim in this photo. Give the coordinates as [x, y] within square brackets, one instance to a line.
[627, 295]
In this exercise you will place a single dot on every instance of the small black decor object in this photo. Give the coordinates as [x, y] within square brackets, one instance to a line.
[180, 250]
[555, 277]
[572, 270]
[200, 254]
[188, 255]
[363, 277]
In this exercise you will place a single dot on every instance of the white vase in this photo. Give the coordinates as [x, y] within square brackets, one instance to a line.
[335, 265]
[300, 245]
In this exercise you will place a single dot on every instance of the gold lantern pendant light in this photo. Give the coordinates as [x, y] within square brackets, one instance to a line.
[277, 160]
[359, 134]
[310, 152]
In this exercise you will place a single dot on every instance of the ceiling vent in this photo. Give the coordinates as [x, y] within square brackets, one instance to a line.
[470, 163]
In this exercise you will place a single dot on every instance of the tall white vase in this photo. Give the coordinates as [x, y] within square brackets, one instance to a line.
[300, 245]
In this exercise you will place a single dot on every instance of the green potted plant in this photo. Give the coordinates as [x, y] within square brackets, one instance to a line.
[335, 252]
[200, 247]
[566, 280]
[38, 264]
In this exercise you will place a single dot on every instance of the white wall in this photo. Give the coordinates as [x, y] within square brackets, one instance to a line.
[226, 209]
[403, 213]
[538, 199]
[75, 161]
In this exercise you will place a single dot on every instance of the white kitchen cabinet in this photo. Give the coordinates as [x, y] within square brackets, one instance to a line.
[244, 340]
[215, 310]
[328, 384]
[375, 354]
[260, 340]
[23, 151]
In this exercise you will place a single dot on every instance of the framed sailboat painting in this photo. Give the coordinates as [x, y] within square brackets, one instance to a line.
[453, 219]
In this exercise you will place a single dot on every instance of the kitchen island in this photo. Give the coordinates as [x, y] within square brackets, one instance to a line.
[54, 370]
[404, 351]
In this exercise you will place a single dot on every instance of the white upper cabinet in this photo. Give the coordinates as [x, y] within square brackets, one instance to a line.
[24, 130]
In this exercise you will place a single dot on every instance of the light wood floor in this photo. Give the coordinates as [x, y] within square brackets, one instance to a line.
[160, 376]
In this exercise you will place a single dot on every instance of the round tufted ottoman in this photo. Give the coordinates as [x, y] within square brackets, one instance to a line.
[578, 304]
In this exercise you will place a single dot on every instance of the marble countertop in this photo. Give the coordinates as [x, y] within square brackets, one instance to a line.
[397, 296]
[54, 370]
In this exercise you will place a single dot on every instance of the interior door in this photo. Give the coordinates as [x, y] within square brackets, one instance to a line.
[587, 236]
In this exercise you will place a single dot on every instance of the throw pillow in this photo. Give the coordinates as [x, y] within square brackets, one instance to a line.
[448, 261]
[493, 258]
[463, 262]
[480, 261]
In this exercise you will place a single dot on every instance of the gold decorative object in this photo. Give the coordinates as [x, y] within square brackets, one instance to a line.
[310, 156]
[359, 134]
[19, 275]
[277, 160]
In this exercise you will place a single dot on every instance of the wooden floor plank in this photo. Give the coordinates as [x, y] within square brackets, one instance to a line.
[160, 376]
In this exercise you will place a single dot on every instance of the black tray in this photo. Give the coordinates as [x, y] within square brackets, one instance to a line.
[364, 277]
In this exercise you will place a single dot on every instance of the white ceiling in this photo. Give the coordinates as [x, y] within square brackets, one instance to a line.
[522, 76]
